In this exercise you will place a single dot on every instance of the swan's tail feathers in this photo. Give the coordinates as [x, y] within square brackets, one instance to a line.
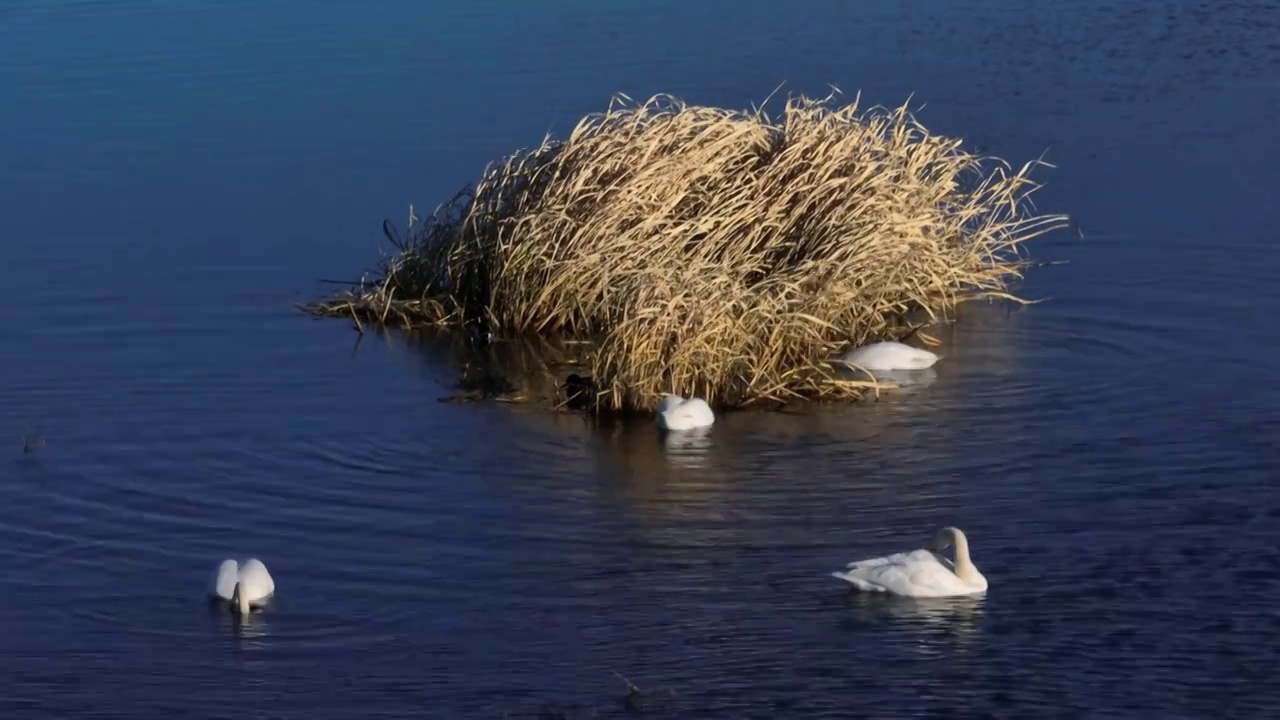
[857, 582]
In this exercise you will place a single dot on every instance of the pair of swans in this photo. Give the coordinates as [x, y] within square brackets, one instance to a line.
[679, 413]
[923, 573]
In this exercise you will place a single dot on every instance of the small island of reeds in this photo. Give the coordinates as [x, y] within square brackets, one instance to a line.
[720, 253]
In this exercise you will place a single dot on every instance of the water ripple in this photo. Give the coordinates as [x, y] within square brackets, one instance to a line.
[1111, 452]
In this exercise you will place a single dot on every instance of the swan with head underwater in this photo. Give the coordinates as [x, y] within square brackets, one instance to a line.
[890, 355]
[244, 585]
[679, 413]
[923, 573]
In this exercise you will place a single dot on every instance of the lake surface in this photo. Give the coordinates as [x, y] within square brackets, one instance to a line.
[175, 176]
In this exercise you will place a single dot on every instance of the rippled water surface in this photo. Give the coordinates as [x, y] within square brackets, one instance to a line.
[175, 176]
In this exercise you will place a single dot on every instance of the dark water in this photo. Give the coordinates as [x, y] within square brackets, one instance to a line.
[173, 176]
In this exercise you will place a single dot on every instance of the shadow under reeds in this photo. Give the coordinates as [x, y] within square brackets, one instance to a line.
[525, 370]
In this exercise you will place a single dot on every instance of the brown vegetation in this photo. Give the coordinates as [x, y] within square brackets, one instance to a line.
[713, 252]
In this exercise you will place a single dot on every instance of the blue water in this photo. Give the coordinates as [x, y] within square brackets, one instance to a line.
[175, 176]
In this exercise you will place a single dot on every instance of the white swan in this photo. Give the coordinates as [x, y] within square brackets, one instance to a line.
[243, 585]
[920, 573]
[677, 413]
[890, 355]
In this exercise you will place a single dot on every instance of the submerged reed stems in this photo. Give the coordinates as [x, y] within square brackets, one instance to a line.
[715, 252]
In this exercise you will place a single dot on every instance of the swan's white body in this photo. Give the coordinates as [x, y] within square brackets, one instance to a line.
[890, 355]
[677, 413]
[245, 585]
[921, 573]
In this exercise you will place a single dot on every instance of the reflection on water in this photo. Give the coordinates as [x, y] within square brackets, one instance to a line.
[688, 448]
[903, 380]
[908, 380]
[248, 631]
[938, 627]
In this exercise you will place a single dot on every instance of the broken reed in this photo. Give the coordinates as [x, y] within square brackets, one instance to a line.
[715, 252]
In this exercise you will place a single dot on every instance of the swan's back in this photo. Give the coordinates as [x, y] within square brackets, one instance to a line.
[685, 415]
[920, 573]
[225, 577]
[255, 581]
[668, 402]
[890, 355]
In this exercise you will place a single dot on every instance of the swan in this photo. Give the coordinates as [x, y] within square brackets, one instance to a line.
[678, 413]
[890, 355]
[921, 573]
[244, 585]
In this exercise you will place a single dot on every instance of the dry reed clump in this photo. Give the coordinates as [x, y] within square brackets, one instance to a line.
[715, 252]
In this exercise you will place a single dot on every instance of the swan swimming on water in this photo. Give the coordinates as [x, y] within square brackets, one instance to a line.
[890, 355]
[920, 573]
[677, 413]
[244, 585]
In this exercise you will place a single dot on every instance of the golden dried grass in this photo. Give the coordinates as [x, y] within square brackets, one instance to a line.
[715, 252]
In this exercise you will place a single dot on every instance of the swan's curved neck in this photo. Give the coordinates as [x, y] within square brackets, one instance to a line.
[964, 565]
[242, 600]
